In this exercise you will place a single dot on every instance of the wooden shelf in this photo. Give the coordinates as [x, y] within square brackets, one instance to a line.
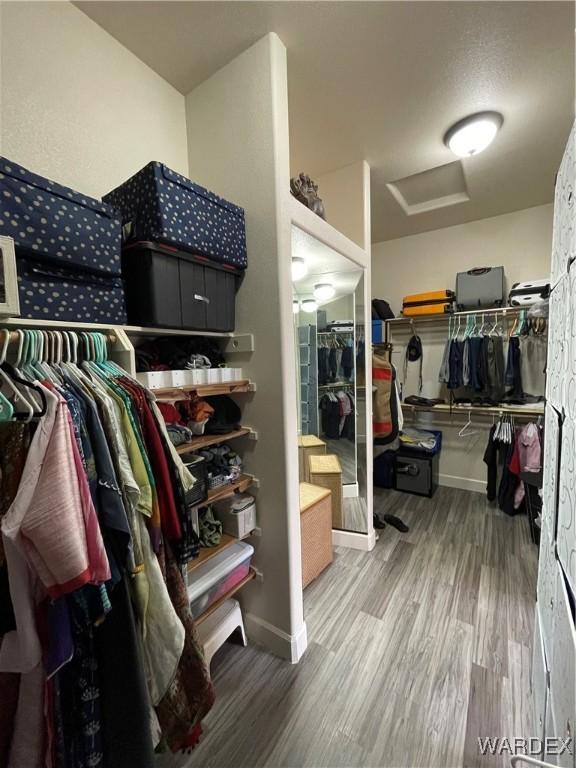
[204, 441]
[203, 616]
[207, 553]
[174, 394]
[225, 491]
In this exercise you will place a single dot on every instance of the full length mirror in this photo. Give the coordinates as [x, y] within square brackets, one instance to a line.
[328, 300]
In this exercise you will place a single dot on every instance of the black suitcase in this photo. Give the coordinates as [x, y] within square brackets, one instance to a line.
[174, 289]
[479, 288]
[160, 205]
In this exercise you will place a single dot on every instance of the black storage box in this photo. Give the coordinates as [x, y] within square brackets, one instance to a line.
[196, 465]
[67, 249]
[161, 205]
[416, 473]
[168, 288]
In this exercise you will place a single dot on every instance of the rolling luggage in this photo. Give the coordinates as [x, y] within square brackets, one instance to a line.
[68, 249]
[480, 287]
[428, 303]
[528, 293]
[160, 205]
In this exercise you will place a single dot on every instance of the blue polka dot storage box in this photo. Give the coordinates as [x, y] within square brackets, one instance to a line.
[160, 205]
[68, 249]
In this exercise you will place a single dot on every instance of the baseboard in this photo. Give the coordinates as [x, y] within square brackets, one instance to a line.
[277, 641]
[364, 541]
[465, 483]
[350, 491]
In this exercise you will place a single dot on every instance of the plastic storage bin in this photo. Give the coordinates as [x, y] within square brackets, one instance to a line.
[173, 289]
[377, 331]
[214, 578]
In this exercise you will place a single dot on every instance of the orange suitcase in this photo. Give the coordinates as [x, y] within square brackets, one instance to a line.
[428, 303]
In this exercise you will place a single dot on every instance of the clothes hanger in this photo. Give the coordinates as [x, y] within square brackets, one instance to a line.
[6, 409]
[11, 377]
[19, 396]
[463, 432]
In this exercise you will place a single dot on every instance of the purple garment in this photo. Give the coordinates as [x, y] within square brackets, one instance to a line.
[60, 644]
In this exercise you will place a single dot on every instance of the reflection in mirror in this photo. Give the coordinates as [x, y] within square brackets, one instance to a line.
[331, 360]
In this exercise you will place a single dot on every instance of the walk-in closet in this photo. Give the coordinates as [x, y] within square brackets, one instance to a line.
[287, 365]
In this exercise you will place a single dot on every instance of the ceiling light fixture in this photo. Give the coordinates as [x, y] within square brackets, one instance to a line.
[473, 134]
[295, 306]
[324, 291]
[309, 305]
[299, 268]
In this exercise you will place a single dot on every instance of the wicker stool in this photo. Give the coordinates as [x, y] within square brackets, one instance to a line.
[308, 445]
[326, 472]
[315, 530]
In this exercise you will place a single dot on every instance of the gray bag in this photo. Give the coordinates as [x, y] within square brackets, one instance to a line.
[480, 287]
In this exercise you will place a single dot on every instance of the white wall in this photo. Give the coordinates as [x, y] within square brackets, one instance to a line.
[519, 241]
[243, 135]
[343, 194]
[340, 309]
[78, 107]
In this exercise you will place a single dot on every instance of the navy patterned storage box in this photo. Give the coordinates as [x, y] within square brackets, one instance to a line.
[160, 205]
[68, 249]
[57, 293]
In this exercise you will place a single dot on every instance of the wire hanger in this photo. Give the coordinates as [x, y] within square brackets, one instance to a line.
[463, 432]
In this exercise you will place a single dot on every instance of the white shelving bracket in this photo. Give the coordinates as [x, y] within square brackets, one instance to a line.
[243, 342]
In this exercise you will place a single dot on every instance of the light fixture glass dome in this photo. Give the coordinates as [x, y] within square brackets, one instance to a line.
[309, 305]
[295, 306]
[299, 268]
[324, 291]
[473, 134]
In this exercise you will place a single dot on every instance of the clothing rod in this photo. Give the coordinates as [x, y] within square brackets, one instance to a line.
[504, 311]
[13, 336]
[332, 333]
[481, 410]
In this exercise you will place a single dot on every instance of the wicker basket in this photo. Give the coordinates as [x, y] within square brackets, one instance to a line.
[315, 530]
[308, 445]
[326, 472]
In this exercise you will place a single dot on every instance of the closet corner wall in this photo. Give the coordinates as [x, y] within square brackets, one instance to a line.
[238, 144]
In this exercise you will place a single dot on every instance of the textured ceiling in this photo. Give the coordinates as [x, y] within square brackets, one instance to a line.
[382, 81]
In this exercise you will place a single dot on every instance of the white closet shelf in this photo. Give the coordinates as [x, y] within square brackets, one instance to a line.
[504, 311]
[305, 219]
[130, 330]
[481, 410]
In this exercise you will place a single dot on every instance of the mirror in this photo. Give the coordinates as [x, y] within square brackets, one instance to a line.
[328, 296]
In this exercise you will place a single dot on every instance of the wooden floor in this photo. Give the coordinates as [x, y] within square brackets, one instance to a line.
[415, 650]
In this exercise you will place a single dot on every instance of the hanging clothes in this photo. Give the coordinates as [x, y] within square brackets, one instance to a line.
[93, 633]
[513, 370]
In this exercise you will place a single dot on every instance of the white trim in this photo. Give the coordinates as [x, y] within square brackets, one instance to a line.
[282, 644]
[465, 483]
[364, 541]
[350, 490]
